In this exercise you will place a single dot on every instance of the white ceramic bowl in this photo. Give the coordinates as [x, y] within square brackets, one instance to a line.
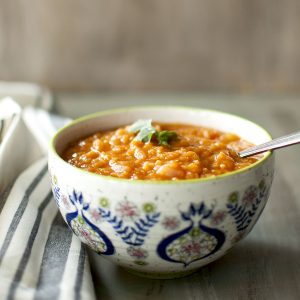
[160, 229]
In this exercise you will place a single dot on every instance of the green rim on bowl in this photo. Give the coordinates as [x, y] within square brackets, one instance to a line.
[181, 181]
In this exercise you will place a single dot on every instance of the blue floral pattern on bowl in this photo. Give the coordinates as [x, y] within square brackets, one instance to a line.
[194, 234]
[80, 224]
[194, 242]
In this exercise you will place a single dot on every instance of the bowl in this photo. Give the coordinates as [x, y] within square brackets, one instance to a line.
[160, 229]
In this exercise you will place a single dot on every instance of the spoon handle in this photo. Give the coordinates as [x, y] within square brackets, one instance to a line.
[284, 141]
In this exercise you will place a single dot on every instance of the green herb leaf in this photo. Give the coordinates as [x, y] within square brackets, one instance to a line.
[145, 134]
[165, 136]
[146, 131]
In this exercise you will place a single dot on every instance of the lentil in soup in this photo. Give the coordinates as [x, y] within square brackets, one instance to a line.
[197, 152]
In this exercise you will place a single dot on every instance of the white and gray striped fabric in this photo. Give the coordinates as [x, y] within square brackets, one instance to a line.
[40, 258]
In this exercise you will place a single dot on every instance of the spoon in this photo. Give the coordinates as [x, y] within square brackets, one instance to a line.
[284, 141]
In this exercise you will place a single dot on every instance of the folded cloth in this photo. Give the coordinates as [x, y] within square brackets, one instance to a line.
[40, 258]
[27, 94]
[15, 141]
[8, 111]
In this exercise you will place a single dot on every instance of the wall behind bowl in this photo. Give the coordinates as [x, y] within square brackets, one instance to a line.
[176, 45]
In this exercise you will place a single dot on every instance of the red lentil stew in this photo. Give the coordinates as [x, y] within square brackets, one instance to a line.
[196, 152]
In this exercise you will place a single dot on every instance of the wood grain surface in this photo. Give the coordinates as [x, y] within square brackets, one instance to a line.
[152, 45]
[266, 265]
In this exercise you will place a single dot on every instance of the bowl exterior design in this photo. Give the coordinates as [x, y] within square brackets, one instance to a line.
[160, 228]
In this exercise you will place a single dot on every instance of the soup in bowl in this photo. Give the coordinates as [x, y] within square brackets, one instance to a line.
[160, 191]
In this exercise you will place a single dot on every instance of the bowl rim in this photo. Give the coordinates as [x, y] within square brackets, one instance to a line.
[84, 118]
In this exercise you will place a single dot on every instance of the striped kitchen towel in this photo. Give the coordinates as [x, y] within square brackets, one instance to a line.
[40, 258]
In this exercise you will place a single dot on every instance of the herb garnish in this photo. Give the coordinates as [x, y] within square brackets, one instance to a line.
[146, 132]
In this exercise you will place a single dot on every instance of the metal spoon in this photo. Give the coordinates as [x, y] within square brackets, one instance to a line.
[284, 141]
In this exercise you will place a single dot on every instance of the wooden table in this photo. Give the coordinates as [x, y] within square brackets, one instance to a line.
[266, 265]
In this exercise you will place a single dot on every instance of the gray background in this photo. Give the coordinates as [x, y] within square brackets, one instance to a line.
[157, 45]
